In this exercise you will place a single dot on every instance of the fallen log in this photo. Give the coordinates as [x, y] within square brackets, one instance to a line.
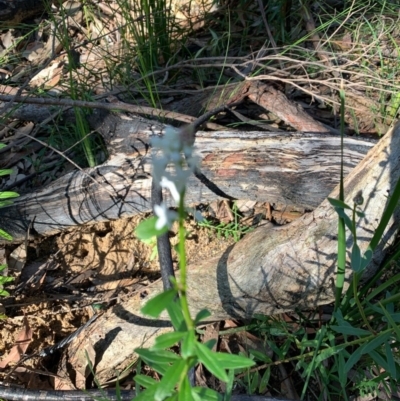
[272, 270]
[297, 170]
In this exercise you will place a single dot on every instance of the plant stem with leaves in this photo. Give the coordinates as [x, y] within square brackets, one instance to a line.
[172, 169]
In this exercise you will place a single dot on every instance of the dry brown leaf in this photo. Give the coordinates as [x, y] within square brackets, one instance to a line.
[17, 258]
[224, 212]
[83, 370]
[48, 76]
[211, 332]
[33, 51]
[101, 285]
[21, 345]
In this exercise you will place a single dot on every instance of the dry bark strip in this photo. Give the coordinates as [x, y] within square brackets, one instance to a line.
[297, 170]
[272, 270]
[276, 102]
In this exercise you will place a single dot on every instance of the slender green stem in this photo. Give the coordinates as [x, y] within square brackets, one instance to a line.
[357, 300]
[368, 309]
[341, 262]
[182, 285]
[356, 275]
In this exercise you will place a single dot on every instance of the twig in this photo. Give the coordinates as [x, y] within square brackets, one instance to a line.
[117, 106]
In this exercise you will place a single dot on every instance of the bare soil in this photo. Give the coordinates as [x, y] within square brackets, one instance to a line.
[100, 263]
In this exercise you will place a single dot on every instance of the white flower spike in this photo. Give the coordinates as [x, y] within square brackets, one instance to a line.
[170, 185]
[165, 217]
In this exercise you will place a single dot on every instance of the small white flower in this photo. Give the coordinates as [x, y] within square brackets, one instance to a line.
[165, 217]
[166, 183]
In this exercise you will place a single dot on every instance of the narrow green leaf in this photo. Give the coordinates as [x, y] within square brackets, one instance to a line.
[351, 331]
[5, 279]
[264, 380]
[391, 321]
[354, 358]
[346, 219]
[5, 203]
[254, 380]
[8, 194]
[376, 342]
[147, 394]
[208, 359]
[320, 336]
[229, 361]
[203, 314]
[389, 306]
[138, 370]
[341, 262]
[147, 229]
[260, 356]
[188, 345]
[390, 360]
[6, 171]
[159, 356]
[185, 391]
[167, 340]
[210, 343]
[356, 259]
[338, 315]
[377, 357]
[336, 203]
[156, 305]
[389, 282]
[341, 370]
[366, 259]
[206, 394]
[145, 381]
[387, 214]
[395, 317]
[2, 145]
[325, 354]
[5, 235]
[229, 384]
[176, 316]
[276, 349]
[170, 380]
[160, 368]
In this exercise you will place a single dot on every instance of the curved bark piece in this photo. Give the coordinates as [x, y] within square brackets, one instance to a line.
[296, 170]
[272, 270]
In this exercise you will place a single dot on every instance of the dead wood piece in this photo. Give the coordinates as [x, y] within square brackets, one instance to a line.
[266, 96]
[277, 103]
[272, 270]
[296, 170]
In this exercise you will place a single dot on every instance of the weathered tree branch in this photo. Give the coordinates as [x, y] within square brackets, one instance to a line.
[290, 169]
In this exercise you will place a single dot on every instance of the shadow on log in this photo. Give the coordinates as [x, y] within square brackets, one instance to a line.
[297, 170]
[272, 270]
